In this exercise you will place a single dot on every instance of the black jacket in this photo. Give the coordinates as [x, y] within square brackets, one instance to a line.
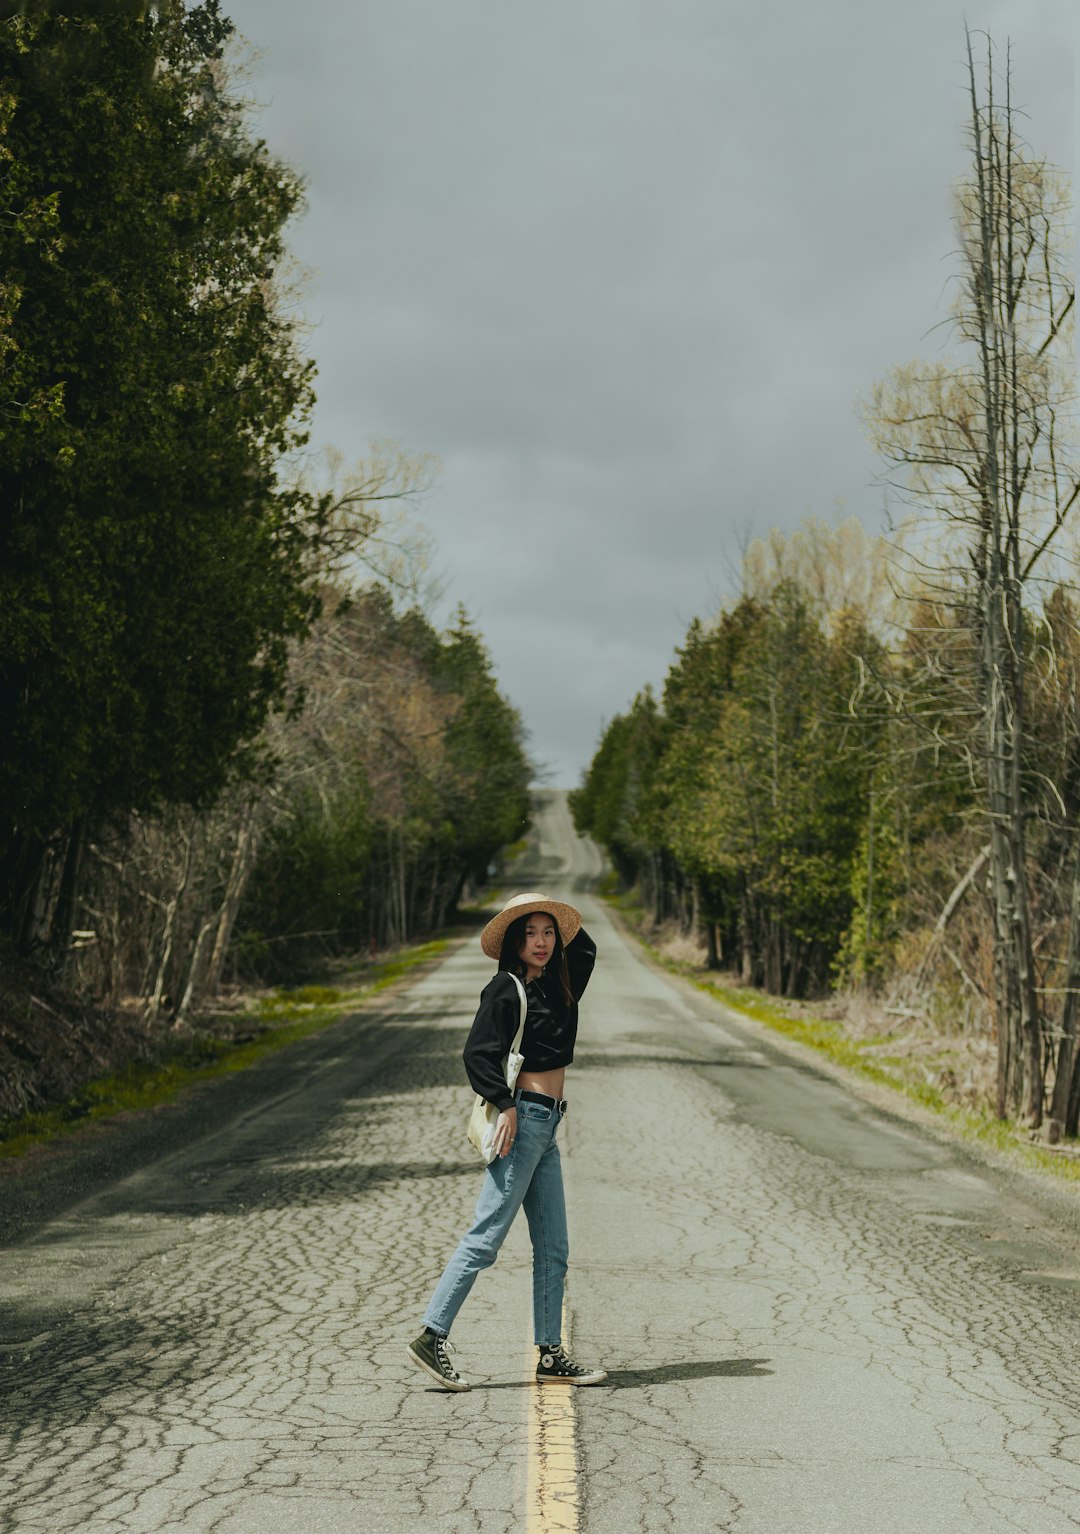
[550, 1024]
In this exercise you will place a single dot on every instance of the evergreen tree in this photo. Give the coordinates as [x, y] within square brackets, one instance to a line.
[153, 563]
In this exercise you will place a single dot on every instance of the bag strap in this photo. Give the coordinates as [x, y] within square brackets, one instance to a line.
[524, 1007]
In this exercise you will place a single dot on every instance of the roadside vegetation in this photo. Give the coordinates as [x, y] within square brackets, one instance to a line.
[862, 779]
[949, 1074]
[235, 747]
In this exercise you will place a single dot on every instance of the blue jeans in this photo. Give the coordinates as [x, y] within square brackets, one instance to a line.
[531, 1175]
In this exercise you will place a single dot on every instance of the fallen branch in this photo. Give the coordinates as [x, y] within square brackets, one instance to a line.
[972, 985]
[948, 910]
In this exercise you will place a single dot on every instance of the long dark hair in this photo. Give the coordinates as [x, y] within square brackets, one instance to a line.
[510, 956]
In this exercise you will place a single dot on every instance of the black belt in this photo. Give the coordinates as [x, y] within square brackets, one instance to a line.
[548, 1102]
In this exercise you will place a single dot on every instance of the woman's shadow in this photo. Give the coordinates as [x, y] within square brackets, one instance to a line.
[663, 1374]
[691, 1369]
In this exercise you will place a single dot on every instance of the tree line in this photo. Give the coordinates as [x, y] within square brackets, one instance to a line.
[224, 741]
[883, 732]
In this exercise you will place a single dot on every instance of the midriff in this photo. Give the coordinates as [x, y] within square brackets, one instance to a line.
[550, 1083]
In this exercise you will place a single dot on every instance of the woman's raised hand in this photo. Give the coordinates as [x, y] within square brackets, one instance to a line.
[505, 1131]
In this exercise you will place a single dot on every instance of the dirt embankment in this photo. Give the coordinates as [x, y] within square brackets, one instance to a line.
[52, 1044]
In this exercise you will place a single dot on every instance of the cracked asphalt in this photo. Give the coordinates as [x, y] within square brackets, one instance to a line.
[816, 1316]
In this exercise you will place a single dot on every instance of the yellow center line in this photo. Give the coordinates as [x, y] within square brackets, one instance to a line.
[551, 1486]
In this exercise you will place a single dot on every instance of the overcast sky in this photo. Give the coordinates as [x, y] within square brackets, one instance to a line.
[626, 267]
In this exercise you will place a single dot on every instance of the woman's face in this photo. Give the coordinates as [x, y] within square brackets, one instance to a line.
[539, 941]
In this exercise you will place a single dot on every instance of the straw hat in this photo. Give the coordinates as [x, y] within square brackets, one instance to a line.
[567, 920]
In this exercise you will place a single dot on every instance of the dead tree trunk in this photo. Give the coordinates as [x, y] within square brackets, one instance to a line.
[239, 868]
[1065, 1102]
[172, 907]
[63, 916]
[193, 985]
[992, 286]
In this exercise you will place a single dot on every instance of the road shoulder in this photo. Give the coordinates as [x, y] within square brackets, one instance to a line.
[1058, 1194]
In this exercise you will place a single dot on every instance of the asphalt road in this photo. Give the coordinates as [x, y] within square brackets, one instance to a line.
[817, 1317]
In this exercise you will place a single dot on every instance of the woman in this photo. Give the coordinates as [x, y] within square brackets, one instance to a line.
[543, 942]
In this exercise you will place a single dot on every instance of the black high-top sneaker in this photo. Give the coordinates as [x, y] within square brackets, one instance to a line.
[556, 1367]
[429, 1351]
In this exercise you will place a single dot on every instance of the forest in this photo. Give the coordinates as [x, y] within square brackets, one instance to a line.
[863, 773]
[233, 740]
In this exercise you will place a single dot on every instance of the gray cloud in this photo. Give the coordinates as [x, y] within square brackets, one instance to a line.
[626, 268]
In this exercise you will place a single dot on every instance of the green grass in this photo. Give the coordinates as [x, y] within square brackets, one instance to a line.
[277, 1021]
[867, 1056]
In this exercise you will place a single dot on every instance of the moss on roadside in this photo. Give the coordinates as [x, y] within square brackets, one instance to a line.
[276, 1021]
[867, 1056]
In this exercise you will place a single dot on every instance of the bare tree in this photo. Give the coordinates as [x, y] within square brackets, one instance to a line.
[983, 441]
